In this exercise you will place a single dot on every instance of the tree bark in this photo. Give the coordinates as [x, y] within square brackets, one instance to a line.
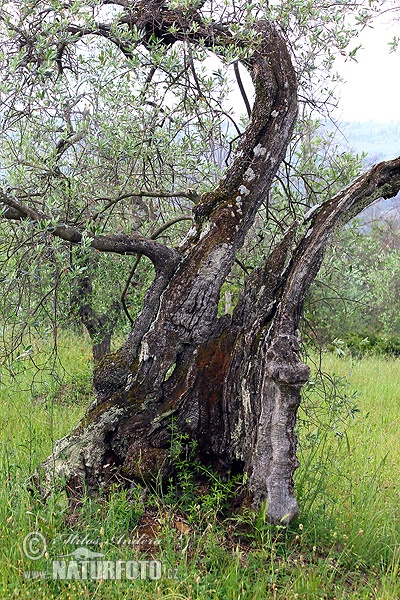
[232, 383]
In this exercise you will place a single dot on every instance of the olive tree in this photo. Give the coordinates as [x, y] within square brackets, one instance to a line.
[81, 166]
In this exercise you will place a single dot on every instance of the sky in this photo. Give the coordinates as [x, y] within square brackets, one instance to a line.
[372, 88]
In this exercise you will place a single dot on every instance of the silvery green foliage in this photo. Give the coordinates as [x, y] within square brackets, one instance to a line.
[107, 128]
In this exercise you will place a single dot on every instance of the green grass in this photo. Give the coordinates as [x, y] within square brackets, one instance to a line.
[345, 545]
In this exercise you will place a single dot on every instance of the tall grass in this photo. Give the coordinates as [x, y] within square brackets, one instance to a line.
[344, 545]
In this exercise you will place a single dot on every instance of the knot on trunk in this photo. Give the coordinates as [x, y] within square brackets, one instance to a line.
[283, 362]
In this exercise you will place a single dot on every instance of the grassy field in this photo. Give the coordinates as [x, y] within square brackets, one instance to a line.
[345, 544]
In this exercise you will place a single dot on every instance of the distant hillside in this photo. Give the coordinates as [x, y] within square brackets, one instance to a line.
[380, 141]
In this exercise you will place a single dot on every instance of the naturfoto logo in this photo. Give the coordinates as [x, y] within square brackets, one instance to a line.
[84, 564]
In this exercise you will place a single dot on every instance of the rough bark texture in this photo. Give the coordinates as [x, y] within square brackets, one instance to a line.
[232, 383]
[234, 386]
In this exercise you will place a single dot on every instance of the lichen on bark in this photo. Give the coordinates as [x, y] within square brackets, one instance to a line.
[232, 384]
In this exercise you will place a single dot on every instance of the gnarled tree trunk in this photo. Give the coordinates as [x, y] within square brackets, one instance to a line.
[232, 383]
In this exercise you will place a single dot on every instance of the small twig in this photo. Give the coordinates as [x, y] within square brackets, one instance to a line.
[127, 284]
[242, 266]
[189, 194]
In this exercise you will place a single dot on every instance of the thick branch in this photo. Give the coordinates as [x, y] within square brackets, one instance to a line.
[161, 256]
[260, 150]
[11, 214]
[381, 181]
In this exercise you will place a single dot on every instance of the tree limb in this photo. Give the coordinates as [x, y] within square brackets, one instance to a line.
[381, 181]
[241, 88]
[10, 213]
[161, 256]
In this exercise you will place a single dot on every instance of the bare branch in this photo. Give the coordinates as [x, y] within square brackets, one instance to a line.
[168, 224]
[381, 181]
[241, 88]
[73, 137]
[161, 256]
[126, 287]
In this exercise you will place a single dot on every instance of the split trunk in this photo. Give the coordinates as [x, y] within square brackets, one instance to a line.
[233, 383]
